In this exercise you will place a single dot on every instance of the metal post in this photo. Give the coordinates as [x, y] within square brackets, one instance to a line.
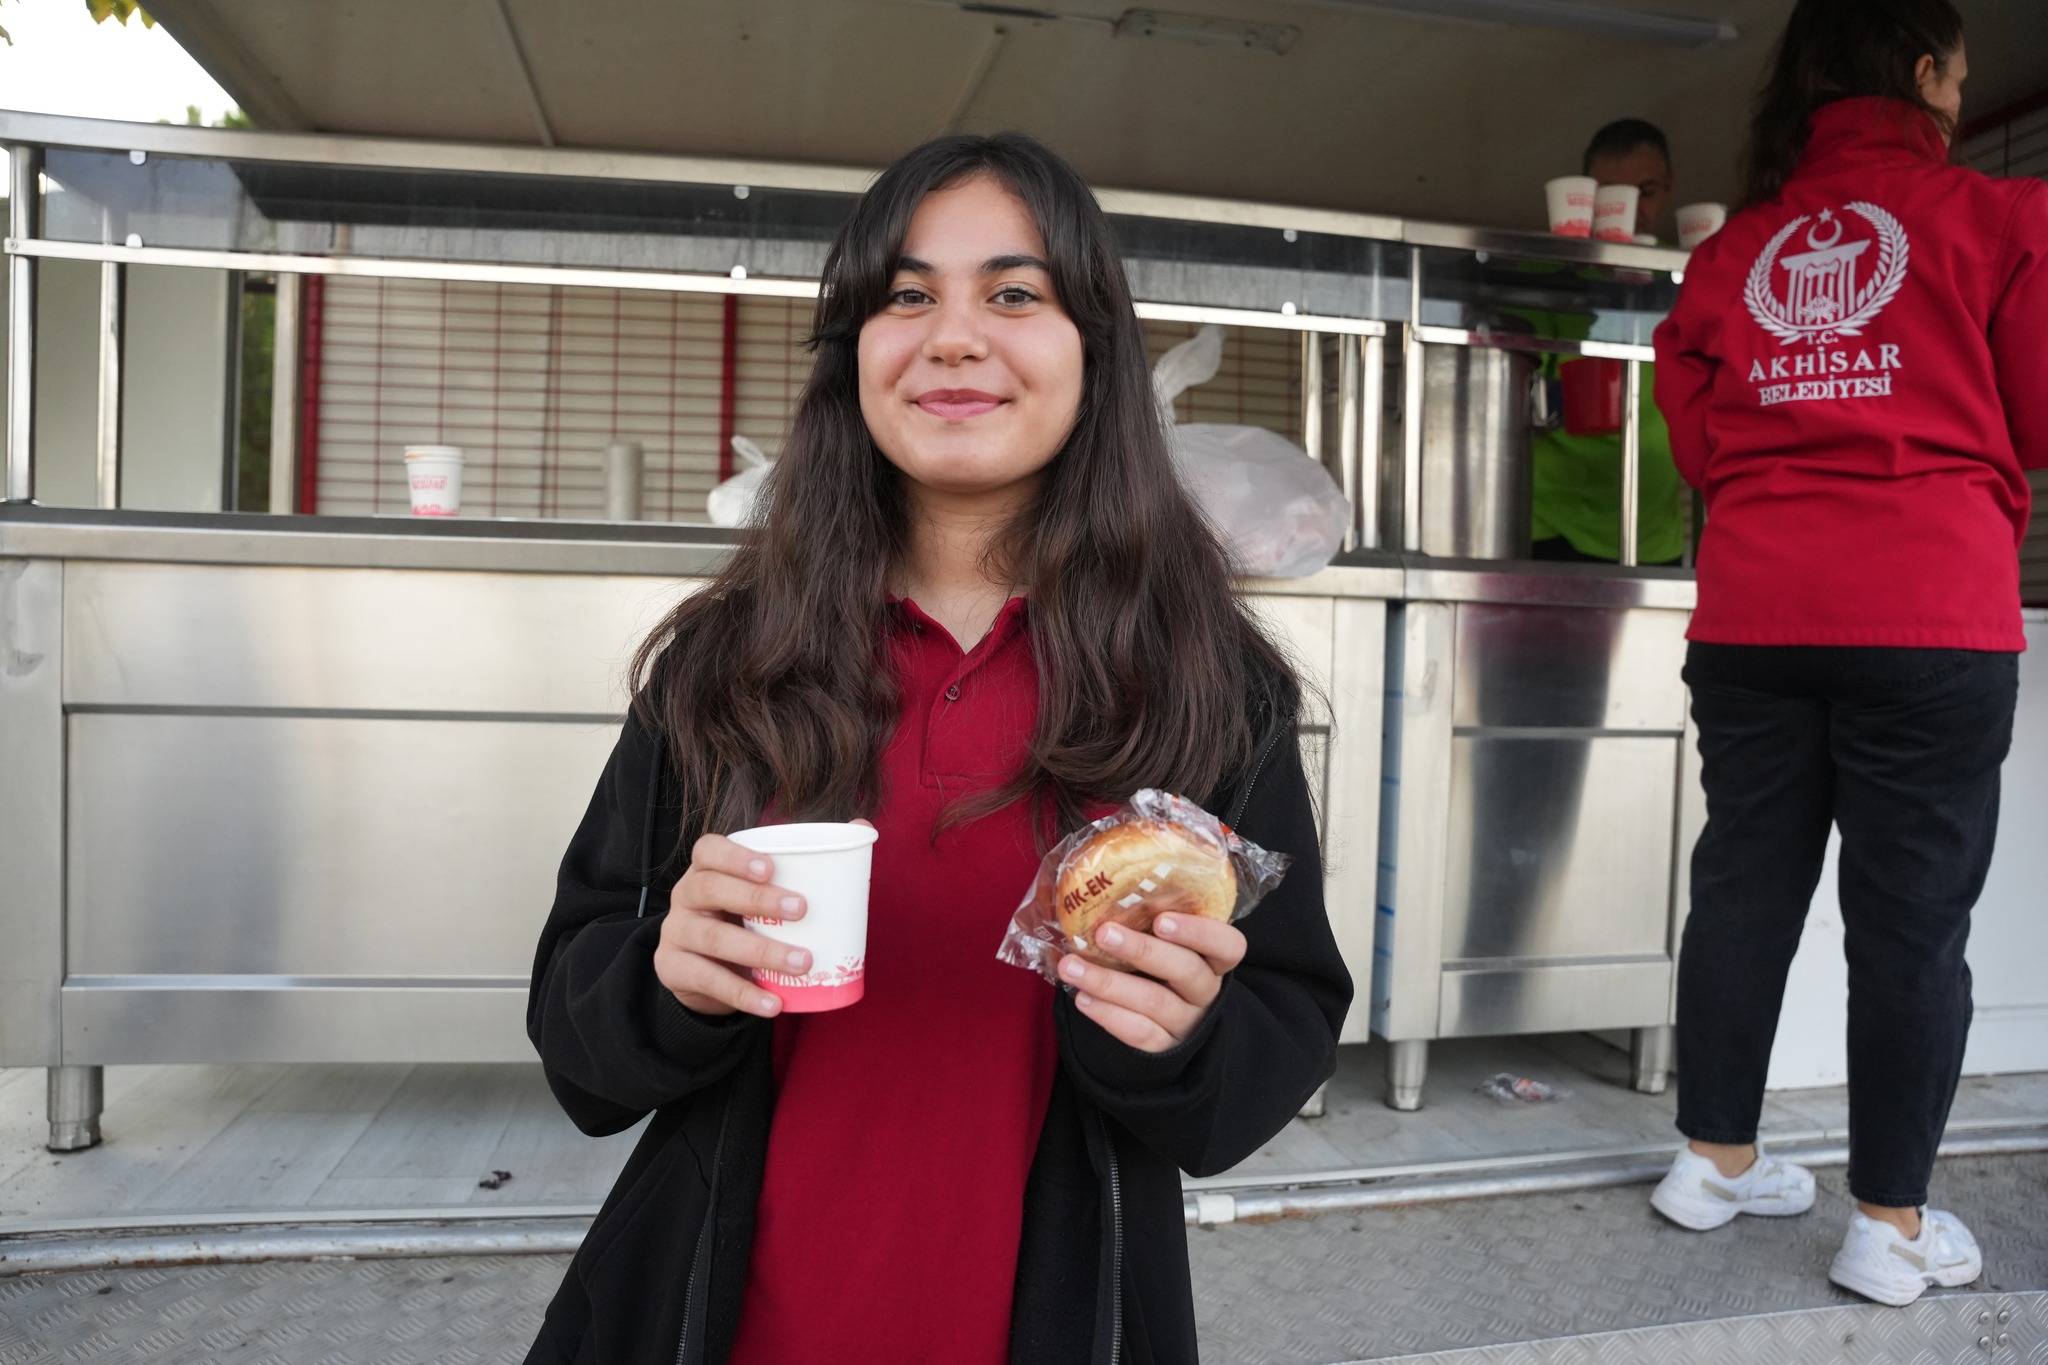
[1312, 395]
[1649, 1054]
[24, 198]
[1407, 1069]
[1411, 411]
[1318, 1103]
[1632, 465]
[1372, 413]
[113, 305]
[284, 395]
[77, 1094]
[1349, 383]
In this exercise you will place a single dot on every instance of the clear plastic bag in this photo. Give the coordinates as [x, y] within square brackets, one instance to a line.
[1163, 852]
[1279, 513]
[1508, 1089]
[735, 501]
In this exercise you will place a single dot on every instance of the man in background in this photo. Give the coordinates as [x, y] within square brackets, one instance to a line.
[1576, 502]
[1632, 151]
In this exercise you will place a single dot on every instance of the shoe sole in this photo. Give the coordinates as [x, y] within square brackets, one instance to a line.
[1699, 1217]
[1900, 1293]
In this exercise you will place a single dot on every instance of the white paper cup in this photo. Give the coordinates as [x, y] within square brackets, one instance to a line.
[1697, 222]
[1571, 204]
[828, 866]
[434, 474]
[1614, 213]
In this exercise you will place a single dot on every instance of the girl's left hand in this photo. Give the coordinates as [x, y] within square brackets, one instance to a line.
[1183, 960]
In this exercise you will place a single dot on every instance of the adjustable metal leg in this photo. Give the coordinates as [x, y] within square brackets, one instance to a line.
[1314, 1108]
[77, 1094]
[1407, 1068]
[1649, 1055]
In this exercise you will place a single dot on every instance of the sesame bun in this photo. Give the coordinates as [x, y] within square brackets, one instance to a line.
[1132, 872]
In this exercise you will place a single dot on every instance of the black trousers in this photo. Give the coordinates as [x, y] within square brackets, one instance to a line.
[1901, 749]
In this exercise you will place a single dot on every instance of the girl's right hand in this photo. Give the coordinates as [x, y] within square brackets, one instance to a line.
[706, 954]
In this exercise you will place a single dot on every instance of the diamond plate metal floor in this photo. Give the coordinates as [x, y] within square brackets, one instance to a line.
[1997, 1329]
[1483, 1282]
[468, 1311]
[1439, 1277]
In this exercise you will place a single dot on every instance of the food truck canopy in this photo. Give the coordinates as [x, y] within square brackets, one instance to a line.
[1454, 110]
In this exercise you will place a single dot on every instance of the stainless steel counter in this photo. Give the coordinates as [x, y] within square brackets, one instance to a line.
[297, 796]
[460, 545]
[294, 790]
[511, 546]
[1541, 793]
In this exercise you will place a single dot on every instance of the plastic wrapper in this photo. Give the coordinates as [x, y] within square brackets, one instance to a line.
[1156, 853]
[1278, 512]
[1508, 1089]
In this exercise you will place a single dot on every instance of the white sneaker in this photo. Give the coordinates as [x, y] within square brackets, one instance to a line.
[1878, 1262]
[1694, 1194]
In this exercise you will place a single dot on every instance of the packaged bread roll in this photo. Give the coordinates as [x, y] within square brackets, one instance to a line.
[1158, 853]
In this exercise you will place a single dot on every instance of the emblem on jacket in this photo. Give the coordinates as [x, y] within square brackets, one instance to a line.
[1835, 287]
[1822, 296]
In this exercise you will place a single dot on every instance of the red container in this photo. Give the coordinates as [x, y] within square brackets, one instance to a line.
[1592, 396]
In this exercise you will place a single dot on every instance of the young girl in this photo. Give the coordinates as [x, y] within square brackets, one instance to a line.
[980, 612]
[1857, 376]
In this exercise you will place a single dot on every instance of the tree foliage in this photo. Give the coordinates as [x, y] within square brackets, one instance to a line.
[101, 11]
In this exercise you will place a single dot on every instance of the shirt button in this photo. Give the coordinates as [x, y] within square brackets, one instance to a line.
[953, 692]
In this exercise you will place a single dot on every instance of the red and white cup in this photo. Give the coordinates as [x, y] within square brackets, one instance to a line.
[1614, 213]
[828, 865]
[1571, 204]
[434, 474]
[1697, 222]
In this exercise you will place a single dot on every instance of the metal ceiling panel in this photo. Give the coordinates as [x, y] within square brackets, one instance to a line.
[1362, 107]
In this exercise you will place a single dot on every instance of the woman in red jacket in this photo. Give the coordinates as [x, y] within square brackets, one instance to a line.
[1856, 375]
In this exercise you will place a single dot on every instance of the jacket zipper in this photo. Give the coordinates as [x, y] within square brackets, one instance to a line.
[700, 1262]
[1244, 797]
[1116, 1218]
[1116, 1242]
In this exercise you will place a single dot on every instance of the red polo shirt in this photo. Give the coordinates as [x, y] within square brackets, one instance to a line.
[1857, 375]
[905, 1124]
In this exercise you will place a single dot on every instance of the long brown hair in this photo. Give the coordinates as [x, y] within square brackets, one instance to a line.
[772, 682]
[1840, 49]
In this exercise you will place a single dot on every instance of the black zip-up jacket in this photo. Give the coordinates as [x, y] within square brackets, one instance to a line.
[1102, 1271]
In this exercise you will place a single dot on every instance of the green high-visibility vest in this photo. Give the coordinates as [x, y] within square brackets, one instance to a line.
[1576, 480]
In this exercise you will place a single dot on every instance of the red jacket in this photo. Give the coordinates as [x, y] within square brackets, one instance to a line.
[1856, 375]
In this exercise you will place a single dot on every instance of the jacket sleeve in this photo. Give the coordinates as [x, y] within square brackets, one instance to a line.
[1685, 383]
[2019, 329]
[613, 1042]
[1268, 1040]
